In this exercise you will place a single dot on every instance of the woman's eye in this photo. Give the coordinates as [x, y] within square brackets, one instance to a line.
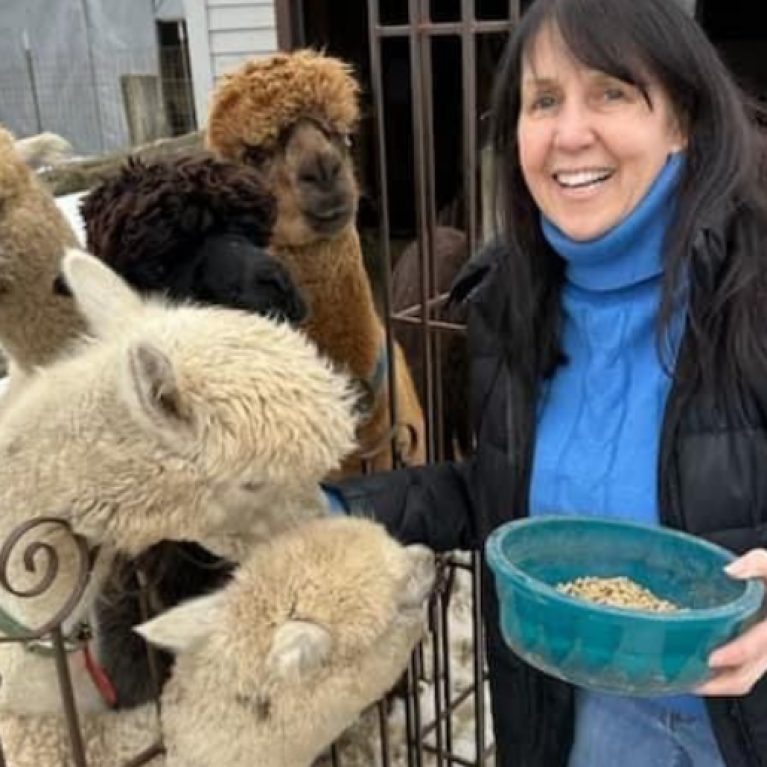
[614, 94]
[543, 102]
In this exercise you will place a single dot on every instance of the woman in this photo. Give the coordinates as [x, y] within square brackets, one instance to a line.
[619, 349]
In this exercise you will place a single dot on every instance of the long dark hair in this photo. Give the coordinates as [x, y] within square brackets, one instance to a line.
[641, 41]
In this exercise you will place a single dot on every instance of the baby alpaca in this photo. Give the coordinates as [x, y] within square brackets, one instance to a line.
[179, 423]
[316, 626]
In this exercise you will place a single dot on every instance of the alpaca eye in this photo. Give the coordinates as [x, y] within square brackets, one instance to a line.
[255, 156]
[253, 486]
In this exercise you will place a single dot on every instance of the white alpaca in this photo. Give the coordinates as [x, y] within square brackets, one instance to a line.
[317, 625]
[173, 423]
[44, 149]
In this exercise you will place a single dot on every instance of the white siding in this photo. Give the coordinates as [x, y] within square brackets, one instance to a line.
[222, 34]
[241, 16]
[168, 10]
[226, 62]
[241, 41]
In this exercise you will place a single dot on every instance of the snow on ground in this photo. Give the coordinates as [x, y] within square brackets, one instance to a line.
[69, 204]
[360, 746]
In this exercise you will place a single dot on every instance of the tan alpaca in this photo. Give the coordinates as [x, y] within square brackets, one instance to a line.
[35, 322]
[317, 625]
[44, 149]
[175, 423]
[291, 115]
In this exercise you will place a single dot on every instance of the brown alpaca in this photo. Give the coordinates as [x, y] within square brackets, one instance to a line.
[35, 323]
[291, 116]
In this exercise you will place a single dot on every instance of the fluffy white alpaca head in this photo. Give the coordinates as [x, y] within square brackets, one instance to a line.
[169, 423]
[240, 409]
[178, 423]
[318, 624]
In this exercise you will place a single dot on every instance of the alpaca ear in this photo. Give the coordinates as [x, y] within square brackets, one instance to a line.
[299, 650]
[154, 396]
[106, 301]
[181, 627]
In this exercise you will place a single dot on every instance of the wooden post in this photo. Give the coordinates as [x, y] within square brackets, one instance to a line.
[144, 108]
[289, 17]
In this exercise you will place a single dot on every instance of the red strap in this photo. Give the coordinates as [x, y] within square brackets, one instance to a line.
[100, 677]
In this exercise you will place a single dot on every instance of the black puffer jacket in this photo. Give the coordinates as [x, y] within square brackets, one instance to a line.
[713, 483]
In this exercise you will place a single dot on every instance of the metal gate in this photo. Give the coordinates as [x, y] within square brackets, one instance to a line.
[439, 714]
[433, 738]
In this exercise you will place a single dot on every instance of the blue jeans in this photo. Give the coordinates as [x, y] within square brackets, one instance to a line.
[631, 732]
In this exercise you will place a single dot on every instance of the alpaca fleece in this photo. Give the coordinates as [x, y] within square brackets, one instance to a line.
[195, 229]
[35, 325]
[295, 139]
[180, 423]
[44, 149]
[255, 104]
[317, 624]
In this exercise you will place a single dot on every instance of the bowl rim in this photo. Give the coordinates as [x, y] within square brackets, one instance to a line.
[746, 605]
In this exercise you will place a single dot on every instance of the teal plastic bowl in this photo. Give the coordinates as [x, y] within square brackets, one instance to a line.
[611, 649]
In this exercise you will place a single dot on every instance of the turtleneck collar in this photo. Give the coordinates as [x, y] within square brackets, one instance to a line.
[629, 253]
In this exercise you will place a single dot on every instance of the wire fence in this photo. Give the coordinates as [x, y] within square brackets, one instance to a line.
[439, 715]
[125, 99]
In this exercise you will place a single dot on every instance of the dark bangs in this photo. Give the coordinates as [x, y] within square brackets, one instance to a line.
[637, 42]
[598, 42]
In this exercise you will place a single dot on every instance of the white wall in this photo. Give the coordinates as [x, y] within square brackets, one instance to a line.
[79, 51]
[168, 10]
[222, 34]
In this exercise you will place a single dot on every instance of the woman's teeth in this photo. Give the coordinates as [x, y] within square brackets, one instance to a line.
[582, 178]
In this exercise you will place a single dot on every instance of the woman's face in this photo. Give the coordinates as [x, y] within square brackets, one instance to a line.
[590, 145]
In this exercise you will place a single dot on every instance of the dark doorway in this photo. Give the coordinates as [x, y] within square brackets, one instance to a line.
[739, 31]
[343, 31]
[175, 76]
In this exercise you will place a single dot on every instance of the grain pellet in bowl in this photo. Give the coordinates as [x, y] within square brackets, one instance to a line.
[616, 592]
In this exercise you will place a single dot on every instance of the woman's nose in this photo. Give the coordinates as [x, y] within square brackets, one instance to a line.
[574, 128]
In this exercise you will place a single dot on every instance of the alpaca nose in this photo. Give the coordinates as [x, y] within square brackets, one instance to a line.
[322, 171]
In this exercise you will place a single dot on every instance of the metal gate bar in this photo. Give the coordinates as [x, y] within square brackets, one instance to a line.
[429, 742]
[436, 737]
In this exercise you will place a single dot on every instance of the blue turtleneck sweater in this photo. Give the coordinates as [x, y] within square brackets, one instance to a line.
[600, 417]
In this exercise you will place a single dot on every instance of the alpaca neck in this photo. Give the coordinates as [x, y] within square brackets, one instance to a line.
[343, 320]
[28, 352]
[36, 323]
[37, 329]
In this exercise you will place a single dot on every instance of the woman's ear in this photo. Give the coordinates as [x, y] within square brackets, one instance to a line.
[681, 137]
